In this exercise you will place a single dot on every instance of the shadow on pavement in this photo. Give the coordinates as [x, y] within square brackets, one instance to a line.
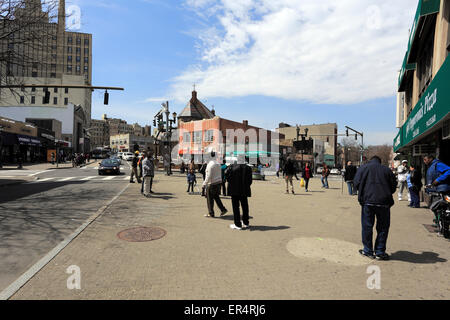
[268, 228]
[163, 196]
[423, 258]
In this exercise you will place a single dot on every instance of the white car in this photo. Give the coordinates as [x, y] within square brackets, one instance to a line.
[334, 171]
[319, 169]
[127, 156]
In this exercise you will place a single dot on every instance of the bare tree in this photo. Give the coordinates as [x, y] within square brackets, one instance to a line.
[383, 151]
[28, 40]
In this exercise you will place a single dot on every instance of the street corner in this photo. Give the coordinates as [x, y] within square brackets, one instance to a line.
[335, 251]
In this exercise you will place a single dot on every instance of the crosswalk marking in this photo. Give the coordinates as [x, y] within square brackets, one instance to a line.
[87, 178]
[66, 179]
[108, 178]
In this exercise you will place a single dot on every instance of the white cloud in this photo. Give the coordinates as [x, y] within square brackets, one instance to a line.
[327, 51]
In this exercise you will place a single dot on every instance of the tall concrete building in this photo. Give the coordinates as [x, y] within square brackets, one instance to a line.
[423, 109]
[61, 58]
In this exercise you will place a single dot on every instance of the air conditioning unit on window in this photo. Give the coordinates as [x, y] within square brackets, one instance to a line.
[423, 150]
[446, 130]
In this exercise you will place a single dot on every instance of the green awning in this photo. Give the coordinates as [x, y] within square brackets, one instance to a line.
[432, 108]
[424, 8]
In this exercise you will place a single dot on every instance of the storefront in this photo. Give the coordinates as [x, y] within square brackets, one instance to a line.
[426, 131]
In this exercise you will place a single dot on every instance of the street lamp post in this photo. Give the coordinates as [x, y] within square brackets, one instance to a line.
[169, 128]
[303, 136]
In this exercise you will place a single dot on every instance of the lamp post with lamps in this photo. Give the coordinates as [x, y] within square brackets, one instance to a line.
[169, 127]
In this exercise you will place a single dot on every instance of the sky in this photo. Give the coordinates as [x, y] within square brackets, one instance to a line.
[295, 61]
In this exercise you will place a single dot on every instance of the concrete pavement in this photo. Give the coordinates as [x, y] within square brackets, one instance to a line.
[299, 247]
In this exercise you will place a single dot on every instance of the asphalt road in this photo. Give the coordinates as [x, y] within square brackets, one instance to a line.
[36, 216]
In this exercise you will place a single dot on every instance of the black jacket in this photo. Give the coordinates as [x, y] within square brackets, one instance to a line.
[289, 168]
[376, 184]
[239, 177]
[416, 179]
[350, 173]
[135, 162]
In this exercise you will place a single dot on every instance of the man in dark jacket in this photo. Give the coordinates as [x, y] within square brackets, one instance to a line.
[376, 185]
[134, 168]
[289, 173]
[349, 176]
[239, 177]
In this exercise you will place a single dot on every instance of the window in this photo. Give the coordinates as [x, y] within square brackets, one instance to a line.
[55, 90]
[33, 89]
[55, 100]
[66, 101]
[78, 59]
[78, 41]
[197, 136]
[86, 51]
[52, 75]
[69, 58]
[78, 69]
[33, 100]
[69, 68]
[86, 60]
[22, 99]
[45, 89]
[187, 137]
[69, 40]
[54, 56]
[34, 74]
[78, 50]
[209, 136]
[86, 69]
[86, 42]
[69, 49]
[66, 90]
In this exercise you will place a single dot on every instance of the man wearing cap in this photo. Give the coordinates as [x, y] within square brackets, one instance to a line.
[402, 174]
[134, 171]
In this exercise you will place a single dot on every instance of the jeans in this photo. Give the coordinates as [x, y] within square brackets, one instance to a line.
[147, 184]
[325, 182]
[383, 217]
[415, 200]
[243, 201]
[403, 185]
[306, 184]
[213, 195]
[351, 188]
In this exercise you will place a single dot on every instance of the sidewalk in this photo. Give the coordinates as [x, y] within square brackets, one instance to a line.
[299, 247]
[42, 166]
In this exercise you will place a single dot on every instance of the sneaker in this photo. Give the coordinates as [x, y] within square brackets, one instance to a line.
[363, 253]
[245, 226]
[382, 257]
[208, 216]
[131, 181]
[233, 226]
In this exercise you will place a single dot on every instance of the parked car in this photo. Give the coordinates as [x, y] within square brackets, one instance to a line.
[127, 156]
[117, 158]
[335, 171]
[109, 166]
[120, 155]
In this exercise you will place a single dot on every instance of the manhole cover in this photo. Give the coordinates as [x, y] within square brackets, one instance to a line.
[141, 234]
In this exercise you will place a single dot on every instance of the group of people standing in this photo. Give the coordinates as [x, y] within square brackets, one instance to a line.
[143, 168]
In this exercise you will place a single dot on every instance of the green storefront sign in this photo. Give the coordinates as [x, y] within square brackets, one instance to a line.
[431, 108]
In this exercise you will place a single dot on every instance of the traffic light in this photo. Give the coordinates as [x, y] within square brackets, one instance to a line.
[346, 132]
[356, 137]
[106, 98]
[154, 123]
[46, 97]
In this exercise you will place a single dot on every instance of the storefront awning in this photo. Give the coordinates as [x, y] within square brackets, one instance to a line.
[432, 109]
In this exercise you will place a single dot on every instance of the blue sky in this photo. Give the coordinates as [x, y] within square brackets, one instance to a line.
[294, 61]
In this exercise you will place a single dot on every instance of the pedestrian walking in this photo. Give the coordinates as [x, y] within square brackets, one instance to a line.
[224, 180]
[148, 167]
[325, 174]
[239, 177]
[134, 166]
[191, 178]
[349, 176]
[306, 175]
[212, 184]
[414, 180]
[402, 172]
[289, 172]
[376, 185]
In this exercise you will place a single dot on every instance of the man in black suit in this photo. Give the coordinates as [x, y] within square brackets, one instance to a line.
[239, 177]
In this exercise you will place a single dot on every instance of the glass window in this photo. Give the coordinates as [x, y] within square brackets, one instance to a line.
[66, 101]
[198, 136]
[69, 68]
[55, 100]
[78, 50]
[86, 51]
[69, 49]
[187, 137]
[69, 40]
[33, 100]
[22, 99]
[209, 136]
[69, 58]
[78, 58]
[86, 42]
[66, 90]
[55, 90]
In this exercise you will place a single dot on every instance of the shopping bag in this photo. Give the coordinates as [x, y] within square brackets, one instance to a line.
[302, 183]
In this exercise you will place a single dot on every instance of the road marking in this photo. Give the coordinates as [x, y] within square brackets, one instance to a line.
[126, 178]
[43, 180]
[66, 179]
[23, 279]
[108, 178]
[87, 178]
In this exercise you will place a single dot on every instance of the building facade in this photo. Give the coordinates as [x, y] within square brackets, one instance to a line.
[321, 132]
[423, 109]
[127, 142]
[61, 58]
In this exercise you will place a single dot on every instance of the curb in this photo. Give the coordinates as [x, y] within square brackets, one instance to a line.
[30, 273]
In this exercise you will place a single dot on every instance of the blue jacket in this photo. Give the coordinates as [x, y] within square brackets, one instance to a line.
[376, 184]
[440, 172]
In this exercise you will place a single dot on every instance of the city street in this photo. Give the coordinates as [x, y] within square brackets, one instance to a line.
[299, 247]
[38, 214]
